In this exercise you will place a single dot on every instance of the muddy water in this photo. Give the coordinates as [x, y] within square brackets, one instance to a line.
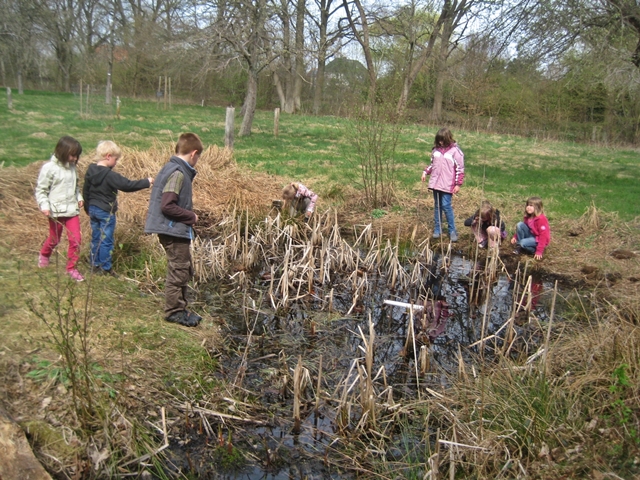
[263, 346]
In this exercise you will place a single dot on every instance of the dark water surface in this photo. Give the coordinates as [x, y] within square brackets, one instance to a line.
[263, 346]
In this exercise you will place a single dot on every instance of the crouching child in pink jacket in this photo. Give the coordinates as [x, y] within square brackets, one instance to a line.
[300, 200]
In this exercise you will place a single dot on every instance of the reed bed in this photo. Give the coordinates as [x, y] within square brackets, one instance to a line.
[306, 260]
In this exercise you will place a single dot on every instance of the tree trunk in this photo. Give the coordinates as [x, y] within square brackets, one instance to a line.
[301, 8]
[363, 39]
[249, 103]
[447, 30]
[286, 103]
[323, 45]
[414, 70]
[279, 90]
[319, 86]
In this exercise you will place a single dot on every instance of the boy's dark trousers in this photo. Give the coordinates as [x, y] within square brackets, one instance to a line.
[179, 272]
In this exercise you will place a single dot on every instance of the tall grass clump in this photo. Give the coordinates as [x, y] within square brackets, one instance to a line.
[114, 442]
[65, 311]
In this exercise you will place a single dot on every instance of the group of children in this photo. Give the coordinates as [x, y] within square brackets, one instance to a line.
[59, 199]
[171, 215]
[446, 172]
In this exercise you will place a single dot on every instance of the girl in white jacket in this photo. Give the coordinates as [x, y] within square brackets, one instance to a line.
[59, 199]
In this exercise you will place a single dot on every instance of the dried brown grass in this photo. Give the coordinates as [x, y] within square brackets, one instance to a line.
[219, 187]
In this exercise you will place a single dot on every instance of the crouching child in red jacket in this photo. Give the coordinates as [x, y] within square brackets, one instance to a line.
[533, 233]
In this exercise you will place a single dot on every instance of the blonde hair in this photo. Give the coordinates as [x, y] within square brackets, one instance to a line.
[289, 192]
[106, 147]
[536, 203]
[486, 210]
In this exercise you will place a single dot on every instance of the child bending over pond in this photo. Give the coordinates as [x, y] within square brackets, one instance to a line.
[487, 226]
[300, 199]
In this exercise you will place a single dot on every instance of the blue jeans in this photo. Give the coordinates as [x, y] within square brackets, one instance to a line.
[442, 204]
[103, 226]
[525, 238]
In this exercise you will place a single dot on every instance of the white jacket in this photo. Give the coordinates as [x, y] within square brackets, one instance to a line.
[57, 189]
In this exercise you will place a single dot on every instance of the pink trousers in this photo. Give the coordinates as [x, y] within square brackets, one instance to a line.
[72, 225]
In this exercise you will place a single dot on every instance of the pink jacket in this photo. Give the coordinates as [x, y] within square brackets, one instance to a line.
[446, 168]
[539, 227]
[305, 192]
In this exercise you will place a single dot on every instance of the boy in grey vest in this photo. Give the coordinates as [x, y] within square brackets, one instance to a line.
[171, 217]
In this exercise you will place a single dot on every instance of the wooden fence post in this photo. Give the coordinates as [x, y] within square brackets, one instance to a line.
[165, 92]
[9, 99]
[81, 87]
[108, 91]
[228, 127]
[276, 122]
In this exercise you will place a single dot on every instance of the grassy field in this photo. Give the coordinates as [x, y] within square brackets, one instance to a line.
[318, 151]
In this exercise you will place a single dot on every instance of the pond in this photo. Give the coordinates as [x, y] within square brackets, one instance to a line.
[320, 356]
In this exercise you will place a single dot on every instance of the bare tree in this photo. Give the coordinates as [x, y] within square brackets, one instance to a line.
[454, 16]
[243, 27]
[19, 38]
[327, 38]
[359, 23]
[288, 74]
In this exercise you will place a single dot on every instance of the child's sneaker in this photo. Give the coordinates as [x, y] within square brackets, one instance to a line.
[43, 261]
[453, 237]
[76, 275]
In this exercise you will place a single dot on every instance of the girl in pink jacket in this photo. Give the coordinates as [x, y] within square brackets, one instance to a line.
[447, 174]
[300, 199]
[532, 234]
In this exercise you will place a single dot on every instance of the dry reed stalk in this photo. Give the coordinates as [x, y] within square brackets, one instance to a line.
[331, 301]
[526, 292]
[510, 335]
[424, 359]
[343, 416]
[323, 254]
[369, 399]
[434, 461]
[547, 353]
[484, 326]
[452, 463]
[415, 352]
[297, 392]
[462, 371]
[319, 385]
[473, 291]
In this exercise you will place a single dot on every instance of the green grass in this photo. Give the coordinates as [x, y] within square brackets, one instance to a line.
[317, 150]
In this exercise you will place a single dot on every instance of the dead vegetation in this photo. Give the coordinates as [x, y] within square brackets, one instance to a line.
[552, 410]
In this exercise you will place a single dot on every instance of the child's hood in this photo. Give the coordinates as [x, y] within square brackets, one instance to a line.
[96, 174]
